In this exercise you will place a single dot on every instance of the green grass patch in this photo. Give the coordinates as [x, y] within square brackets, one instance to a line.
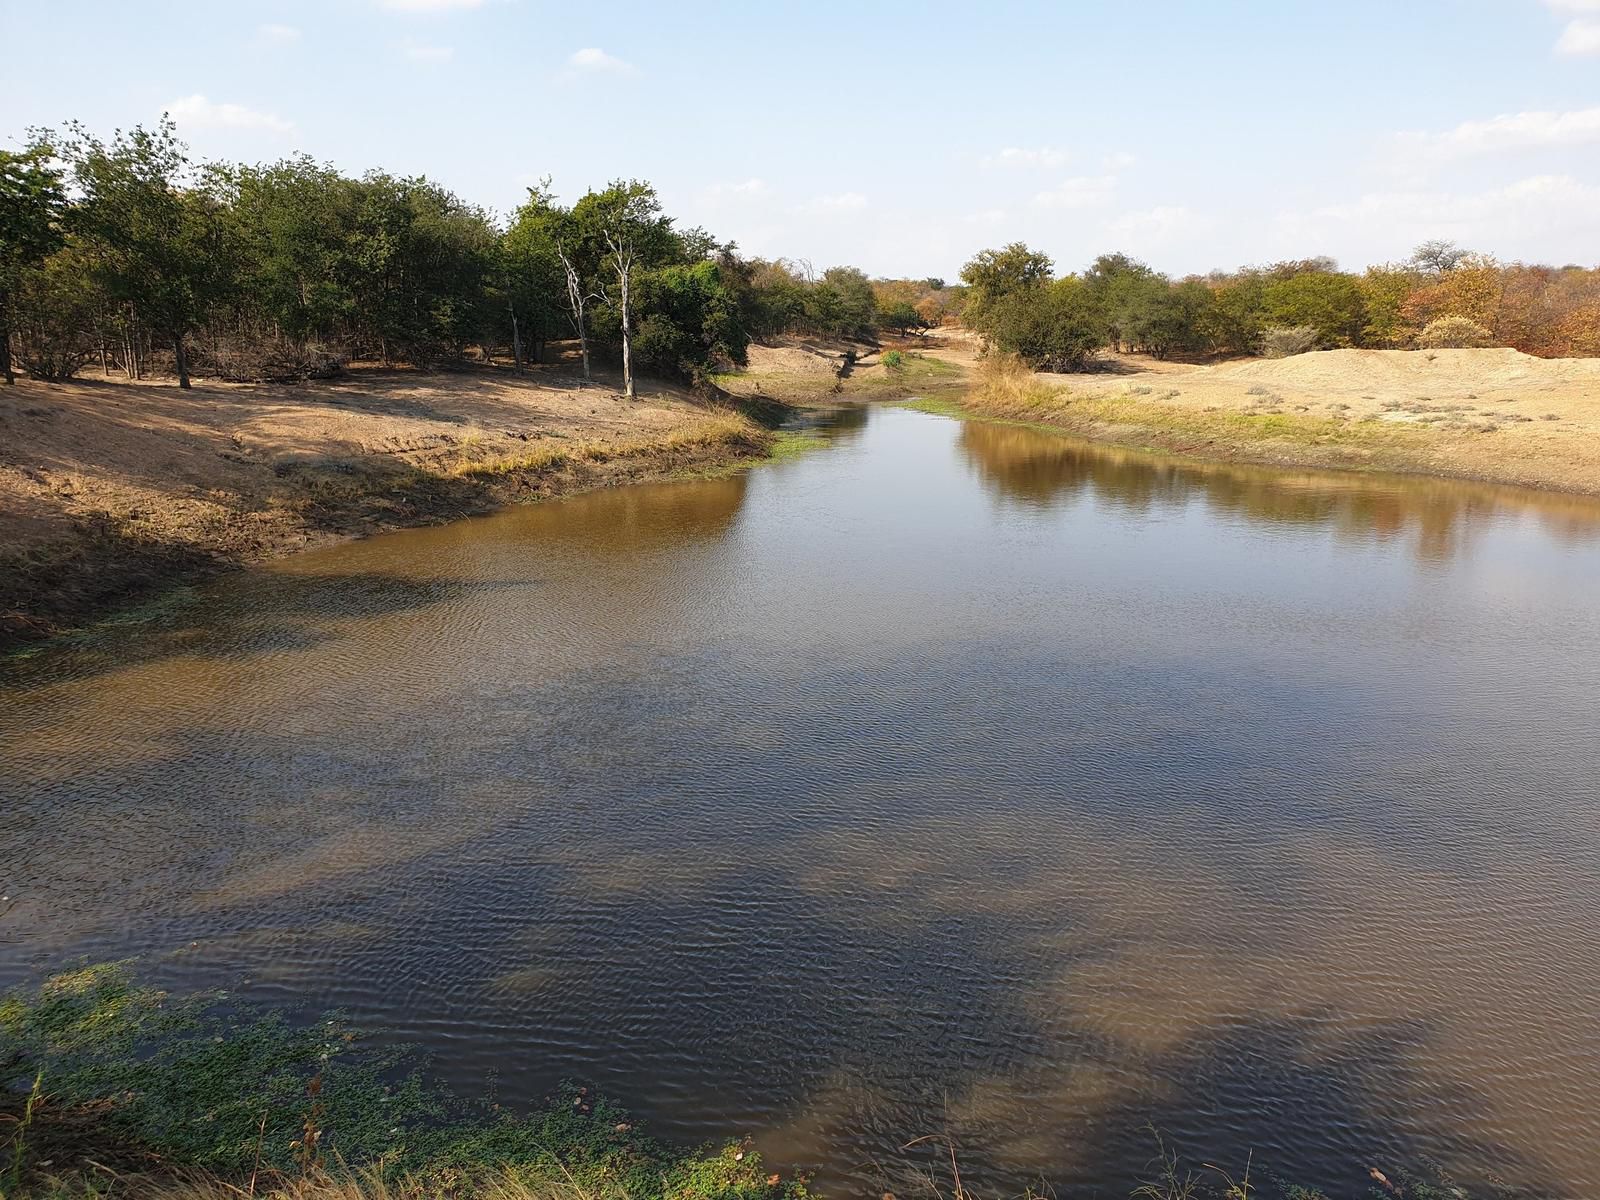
[792, 443]
[132, 1075]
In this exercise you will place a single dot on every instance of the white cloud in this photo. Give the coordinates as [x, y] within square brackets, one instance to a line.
[1017, 156]
[1120, 161]
[749, 187]
[277, 35]
[1542, 216]
[429, 6]
[423, 53]
[1159, 224]
[1579, 38]
[592, 58]
[1083, 191]
[197, 112]
[1506, 132]
[1581, 35]
[843, 202]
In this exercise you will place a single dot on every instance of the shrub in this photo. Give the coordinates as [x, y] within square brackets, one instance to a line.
[1054, 327]
[893, 360]
[1453, 333]
[248, 359]
[1282, 341]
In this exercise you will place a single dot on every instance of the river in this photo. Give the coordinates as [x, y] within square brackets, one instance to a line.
[956, 778]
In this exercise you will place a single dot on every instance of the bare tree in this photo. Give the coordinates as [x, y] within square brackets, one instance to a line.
[578, 304]
[624, 257]
[627, 217]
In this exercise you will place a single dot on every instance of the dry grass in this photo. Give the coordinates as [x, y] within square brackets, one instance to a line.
[1229, 413]
[723, 428]
[1132, 412]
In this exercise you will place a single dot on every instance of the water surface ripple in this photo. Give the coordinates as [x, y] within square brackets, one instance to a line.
[959, 778]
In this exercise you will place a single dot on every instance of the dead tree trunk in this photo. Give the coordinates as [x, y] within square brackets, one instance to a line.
[516, 336]
[181, 356]
[5, 341]
[622, 258]
[578, 303]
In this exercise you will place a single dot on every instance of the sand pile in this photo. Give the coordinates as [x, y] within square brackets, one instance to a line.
[1434, 372]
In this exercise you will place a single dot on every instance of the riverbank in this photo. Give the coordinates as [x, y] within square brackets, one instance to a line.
[1493, 415]
[110, 491]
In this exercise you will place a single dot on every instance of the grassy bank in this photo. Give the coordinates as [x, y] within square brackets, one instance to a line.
[138, 1093]
[1264, 412]
[1141, 417]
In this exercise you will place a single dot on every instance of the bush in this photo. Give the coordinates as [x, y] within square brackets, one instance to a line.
[1055, 327]
[893, 360]
[246, 359]
[1453, 333]
[55, 312]
[1282, 341]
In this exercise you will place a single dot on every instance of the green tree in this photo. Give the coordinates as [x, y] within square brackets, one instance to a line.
[1384, 291]
[776, 301]
[1053, 328]
[59, 314]
[155, 240]
[690, 319]
[1328, 302]
[1237, 315]
[993, 275]
[32, 205]
[858, 302]
[294, 226]
[626, 225]
[539, 247]
[422, 258]
[901, 317]
[1174, 319]
[1128, 293]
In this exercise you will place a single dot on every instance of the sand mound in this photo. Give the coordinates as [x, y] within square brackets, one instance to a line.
[1435, 372]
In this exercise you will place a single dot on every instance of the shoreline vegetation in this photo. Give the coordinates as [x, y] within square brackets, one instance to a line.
[140, 1094]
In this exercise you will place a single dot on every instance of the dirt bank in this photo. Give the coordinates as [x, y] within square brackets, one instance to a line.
[109, 489]
[1496, 414]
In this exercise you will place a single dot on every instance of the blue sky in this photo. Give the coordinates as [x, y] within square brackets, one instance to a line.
[900, 138]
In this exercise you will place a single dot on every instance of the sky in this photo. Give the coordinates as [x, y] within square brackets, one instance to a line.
[900, 138]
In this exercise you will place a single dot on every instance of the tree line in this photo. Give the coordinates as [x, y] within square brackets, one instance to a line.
[1443, 296]
[127, 252]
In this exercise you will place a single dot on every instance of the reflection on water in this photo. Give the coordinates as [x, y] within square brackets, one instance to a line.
[1440, 515]
[961, 777]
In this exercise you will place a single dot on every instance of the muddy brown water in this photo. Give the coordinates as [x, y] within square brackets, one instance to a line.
[957, 778]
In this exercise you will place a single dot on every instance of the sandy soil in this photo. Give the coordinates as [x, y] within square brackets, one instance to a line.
[109, 487]
[1493, 414]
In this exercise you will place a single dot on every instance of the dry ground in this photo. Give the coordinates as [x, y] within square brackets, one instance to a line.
[108, 487]
[809, 369]
[1494, 414]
